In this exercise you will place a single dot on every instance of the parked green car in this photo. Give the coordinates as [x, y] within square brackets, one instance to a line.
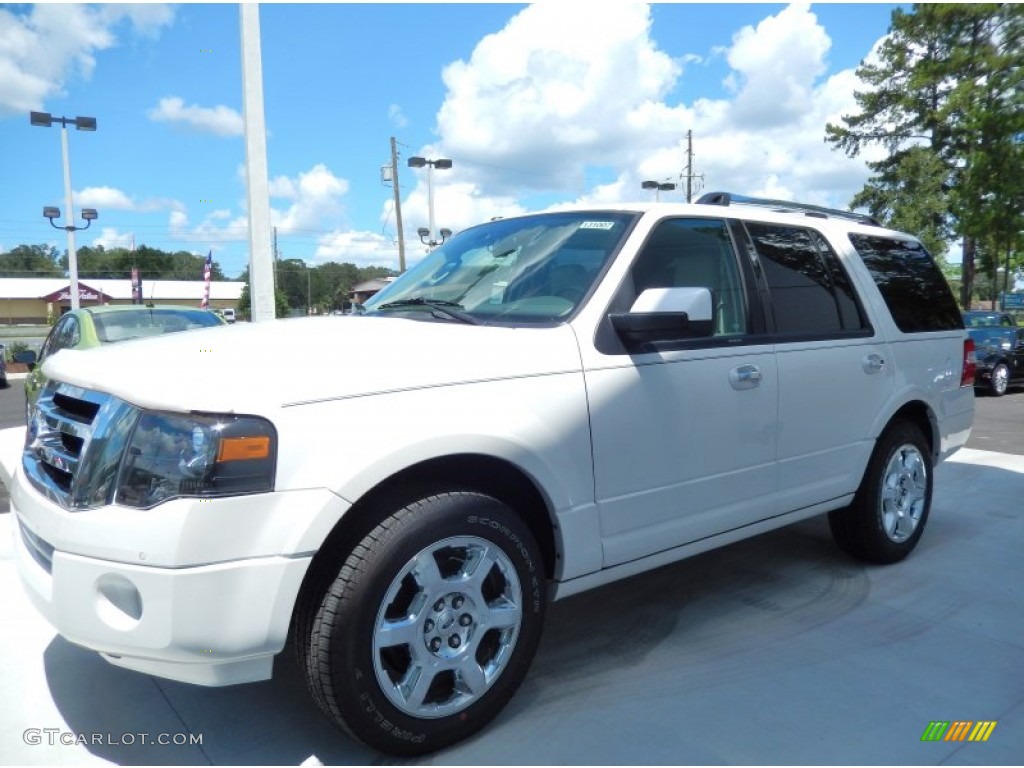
[94, 326]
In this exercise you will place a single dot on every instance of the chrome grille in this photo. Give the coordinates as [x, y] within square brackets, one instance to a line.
[74, 444]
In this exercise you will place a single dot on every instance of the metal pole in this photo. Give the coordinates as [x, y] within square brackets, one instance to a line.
[72, 255]
[398, 206]
[689, 166]
[261, 260]
[430, 198]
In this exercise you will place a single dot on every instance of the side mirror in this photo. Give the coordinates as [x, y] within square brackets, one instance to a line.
[665, 314]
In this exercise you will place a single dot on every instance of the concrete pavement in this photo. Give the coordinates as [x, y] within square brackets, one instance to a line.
[777, 650]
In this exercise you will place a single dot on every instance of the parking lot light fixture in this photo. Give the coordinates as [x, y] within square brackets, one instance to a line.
[441, 163]
[658, 187]
[46, 120]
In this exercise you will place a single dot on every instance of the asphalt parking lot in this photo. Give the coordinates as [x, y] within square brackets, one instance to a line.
[777, 650]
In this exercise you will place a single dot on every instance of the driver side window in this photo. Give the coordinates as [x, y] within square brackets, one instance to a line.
[695, 253]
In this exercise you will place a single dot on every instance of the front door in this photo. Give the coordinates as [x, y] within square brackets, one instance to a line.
[684, 435]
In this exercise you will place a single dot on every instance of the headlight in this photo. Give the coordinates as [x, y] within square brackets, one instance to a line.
[171, 456]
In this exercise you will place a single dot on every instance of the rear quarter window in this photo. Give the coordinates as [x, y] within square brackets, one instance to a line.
[917, 295]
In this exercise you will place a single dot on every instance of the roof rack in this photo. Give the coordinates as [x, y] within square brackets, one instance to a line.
[785, 206]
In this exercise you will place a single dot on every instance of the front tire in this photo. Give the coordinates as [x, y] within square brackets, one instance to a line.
[430, 625]
[887, 516]
[1000, 380]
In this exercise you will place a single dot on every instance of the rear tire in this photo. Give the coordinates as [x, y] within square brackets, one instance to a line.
[429, 626]
[887, 516]
[1000, 380]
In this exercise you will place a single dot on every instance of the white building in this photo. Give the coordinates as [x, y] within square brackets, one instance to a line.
[36, 299]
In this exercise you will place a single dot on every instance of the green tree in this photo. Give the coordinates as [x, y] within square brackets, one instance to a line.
[291, 277]
[909, 195]
[153, 264]
[30, 261]
[948, 75]
[244, 306]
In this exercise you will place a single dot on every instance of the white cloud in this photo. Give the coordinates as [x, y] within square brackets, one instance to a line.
[587, 116]
[282, 186]
[104, 197]
[776, 65]
[210, 230]
[219, 120]
[317, 196]
[396, 116]
[147, 18]
[49, 45]
[110, 237]
[544, 104]
[360, 248]
[457, 205]
[112, 199]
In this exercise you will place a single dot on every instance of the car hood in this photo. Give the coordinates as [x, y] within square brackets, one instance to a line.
[259, 367]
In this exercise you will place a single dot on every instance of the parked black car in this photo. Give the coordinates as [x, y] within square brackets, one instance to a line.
[1000, 356]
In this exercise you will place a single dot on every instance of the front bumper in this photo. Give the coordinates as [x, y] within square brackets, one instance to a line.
[212, 625]
[194, 590]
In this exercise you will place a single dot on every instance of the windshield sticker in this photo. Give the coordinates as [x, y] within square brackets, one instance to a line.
[597, 225]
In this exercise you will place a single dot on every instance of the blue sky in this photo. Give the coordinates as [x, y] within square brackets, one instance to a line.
[536, 105]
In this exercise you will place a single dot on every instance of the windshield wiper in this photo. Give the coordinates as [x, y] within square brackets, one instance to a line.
[447, 308]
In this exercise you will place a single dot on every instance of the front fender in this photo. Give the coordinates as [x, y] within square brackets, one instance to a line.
[538, 424]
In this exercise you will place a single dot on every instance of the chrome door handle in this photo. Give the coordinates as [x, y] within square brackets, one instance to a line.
[872, 363]
[745, 377]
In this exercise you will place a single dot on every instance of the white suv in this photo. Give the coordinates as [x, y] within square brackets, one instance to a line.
[542, 405]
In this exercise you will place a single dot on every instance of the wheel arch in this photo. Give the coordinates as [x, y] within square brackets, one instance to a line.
[467, 472]
[918, 413]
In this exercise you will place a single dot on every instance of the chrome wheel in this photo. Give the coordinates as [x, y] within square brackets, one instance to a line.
[447, 627]
[904, 495]
[1000, 380]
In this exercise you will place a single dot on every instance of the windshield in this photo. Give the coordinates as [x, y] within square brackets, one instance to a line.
[533, 269]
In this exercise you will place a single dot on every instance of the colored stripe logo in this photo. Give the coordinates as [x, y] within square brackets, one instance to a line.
[959, 730]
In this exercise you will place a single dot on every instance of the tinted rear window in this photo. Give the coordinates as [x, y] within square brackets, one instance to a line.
[136, 324]
[913, 287]
[811, 295]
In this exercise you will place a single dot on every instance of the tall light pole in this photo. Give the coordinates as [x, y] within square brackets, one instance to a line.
[658, 187]
[398, 205]
[440, 164]
[45, 120]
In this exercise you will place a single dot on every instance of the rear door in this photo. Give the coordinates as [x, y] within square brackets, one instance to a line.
[834, 374]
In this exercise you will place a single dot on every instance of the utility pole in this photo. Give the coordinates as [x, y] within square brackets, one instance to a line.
[690, 175]
[275, 244]
[398, 206]
[689, 166]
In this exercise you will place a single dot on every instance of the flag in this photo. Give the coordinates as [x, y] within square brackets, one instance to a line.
[136, 280]
[207, 271]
